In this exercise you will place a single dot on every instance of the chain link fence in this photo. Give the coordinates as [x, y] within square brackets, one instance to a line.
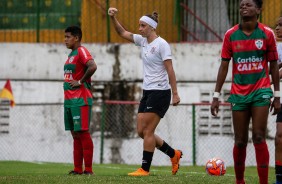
[44, 21]
[35, 132]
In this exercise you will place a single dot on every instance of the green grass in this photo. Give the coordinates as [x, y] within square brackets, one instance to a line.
[40, 173]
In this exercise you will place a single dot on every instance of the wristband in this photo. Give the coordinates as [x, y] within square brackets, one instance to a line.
[79, 82]
[276, 93]
[216, 94]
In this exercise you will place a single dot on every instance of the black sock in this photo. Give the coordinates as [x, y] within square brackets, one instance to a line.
[278, 173]
[167, 150]
[147, 159]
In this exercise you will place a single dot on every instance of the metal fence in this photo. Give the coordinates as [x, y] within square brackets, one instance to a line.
[35, 132]
[180, 20]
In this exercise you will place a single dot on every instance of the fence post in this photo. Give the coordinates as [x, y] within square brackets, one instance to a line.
[194, 134]
[177, 19]
[108, 23]
[38, 22]
[102, 132]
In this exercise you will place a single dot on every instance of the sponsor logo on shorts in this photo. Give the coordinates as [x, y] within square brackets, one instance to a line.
[266, 96]
[76, 117]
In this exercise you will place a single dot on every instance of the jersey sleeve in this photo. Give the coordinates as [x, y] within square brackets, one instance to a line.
[226, 51]
[84, 55]
[165, 51]
[272, 54]
[137, 39]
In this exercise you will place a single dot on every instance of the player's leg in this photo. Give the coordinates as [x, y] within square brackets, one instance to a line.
[259, 127]
[160, 101]
[77, 146]
[278, 149]
[147, 155]
[175, 155]
[146, 125]
[241, 119]
[77, 154]
[152, 108]
[81, 119]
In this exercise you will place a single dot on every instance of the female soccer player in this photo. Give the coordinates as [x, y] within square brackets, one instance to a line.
[278, 136]
[252, 47]
[159, 81]
[78, 69]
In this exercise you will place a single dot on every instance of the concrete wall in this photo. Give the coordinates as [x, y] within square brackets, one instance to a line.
[45, 61]
[192, 62]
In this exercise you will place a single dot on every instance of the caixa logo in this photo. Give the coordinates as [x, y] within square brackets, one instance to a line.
[249, 66]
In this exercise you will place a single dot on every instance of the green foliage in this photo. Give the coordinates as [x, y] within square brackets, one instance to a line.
[34, 173]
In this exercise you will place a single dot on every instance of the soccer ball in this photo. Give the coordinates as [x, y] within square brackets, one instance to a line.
[215, 166]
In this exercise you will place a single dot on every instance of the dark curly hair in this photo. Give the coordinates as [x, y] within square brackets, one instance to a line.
[258, 3]
[75, 31]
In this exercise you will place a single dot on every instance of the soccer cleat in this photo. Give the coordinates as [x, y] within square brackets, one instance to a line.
[88, 173]
[175, 161]
[74, 173]
[240, 182]
[139, 172]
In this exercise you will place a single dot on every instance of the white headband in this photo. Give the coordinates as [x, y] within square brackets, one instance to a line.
[149, 21]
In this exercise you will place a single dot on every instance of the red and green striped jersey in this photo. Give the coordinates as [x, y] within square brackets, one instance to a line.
[74, 69]
[251, 54]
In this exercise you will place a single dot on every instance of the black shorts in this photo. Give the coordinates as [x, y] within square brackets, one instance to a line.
[279, 116]
[156, 101]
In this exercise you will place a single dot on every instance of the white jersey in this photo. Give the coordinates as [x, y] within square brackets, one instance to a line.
[153, 55]
[279, 50]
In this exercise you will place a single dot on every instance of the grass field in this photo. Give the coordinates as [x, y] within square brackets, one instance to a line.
[39, 173]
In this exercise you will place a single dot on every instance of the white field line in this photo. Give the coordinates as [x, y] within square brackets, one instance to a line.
[152, 170]
[157, 170]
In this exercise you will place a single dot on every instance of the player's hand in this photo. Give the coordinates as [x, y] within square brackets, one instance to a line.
[175, 100]
[214, 106]
[74, 83]
[112, 11]
[275, 106]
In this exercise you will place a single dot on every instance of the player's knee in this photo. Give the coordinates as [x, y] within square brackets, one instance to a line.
[147, 132]
[241, 141]
[241, 144]
[140, 133]
[258, 138]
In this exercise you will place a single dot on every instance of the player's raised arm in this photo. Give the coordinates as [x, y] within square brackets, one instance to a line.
[112, 12]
